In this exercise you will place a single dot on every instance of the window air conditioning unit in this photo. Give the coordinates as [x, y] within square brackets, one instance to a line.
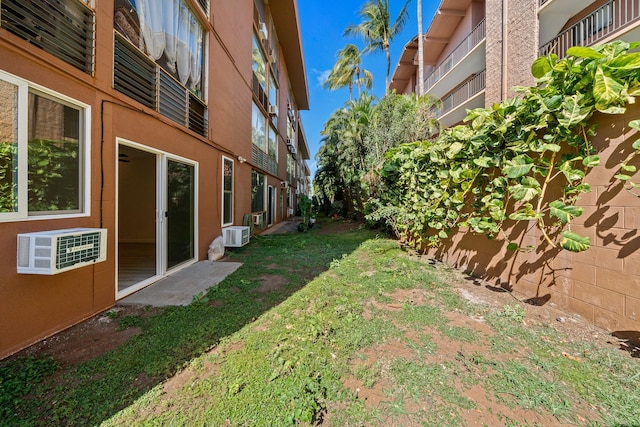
[289, 141]
[262, 31]
[56, 251]
[273, 110]
[257, 219]
[284, 184]
[236, 236]
[290, 211]
[293, 150]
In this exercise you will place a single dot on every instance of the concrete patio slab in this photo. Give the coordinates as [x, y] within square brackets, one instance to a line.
[180, 287]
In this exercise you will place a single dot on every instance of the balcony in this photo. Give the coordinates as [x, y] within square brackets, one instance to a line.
[468, 57]
[139, 77]
[65, 29]
[613, 19]
[468, 95]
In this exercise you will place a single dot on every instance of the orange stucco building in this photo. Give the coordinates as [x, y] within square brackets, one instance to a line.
[161, 122]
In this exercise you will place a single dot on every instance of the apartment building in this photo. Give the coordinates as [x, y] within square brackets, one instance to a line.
[146, 128]
[475, 51]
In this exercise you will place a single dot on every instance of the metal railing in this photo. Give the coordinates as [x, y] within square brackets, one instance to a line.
[472, 86]
[63, 28]
[610, 18]
[262, 160]
[140, 78]
[472, 40]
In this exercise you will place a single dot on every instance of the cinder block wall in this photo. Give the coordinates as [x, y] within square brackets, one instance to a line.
[601, 284]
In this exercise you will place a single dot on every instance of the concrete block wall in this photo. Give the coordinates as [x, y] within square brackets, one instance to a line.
[602, 284]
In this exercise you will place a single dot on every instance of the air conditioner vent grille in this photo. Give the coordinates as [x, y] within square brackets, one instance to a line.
[77, 248]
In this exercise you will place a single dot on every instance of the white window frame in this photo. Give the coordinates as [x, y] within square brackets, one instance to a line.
[233, 173]
[24, 87]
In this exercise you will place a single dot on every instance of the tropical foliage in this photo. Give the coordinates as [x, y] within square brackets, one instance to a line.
[523, 160]
[355, 140]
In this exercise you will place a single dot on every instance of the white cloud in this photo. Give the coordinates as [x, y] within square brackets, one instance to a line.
[321, 75]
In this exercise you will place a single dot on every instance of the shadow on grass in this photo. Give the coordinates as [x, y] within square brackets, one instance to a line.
[93, 391]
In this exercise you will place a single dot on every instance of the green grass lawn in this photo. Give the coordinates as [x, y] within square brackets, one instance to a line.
[336, 329]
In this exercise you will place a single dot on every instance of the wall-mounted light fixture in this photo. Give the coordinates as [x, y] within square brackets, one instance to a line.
[241, 159]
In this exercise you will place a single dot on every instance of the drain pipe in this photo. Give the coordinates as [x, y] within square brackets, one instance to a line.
[505, 17]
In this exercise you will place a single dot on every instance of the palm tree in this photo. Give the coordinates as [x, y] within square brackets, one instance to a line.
[376, 28]
[348, 71]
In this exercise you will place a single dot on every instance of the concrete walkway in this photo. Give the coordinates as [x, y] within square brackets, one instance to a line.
[180, 287]
[287, 226]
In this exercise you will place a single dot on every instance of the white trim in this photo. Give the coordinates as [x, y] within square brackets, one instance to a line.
[162, 158]
[24, 88]
[233, 192]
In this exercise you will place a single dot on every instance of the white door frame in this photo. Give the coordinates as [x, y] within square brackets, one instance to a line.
[162, 159]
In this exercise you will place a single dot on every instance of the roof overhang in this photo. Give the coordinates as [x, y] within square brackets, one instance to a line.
[287, 22]
[303, 147]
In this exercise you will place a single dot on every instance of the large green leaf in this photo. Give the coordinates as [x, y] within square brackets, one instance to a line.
[584, 52]
[606, 89]
[635, 124]
[573, 112]
[564, 212]
[518, 166]
[629, 61]
[591, 161]
[574, 242]
[525, 213]
[524, 193]
[541, 67]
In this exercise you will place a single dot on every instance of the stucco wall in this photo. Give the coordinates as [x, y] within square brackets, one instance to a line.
[601, 284]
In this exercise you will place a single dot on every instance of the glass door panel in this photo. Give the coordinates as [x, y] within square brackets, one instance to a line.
[180, 212]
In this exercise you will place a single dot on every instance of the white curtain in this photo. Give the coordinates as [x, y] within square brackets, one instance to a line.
[152, 26]
[195, 47]
[169, 27]
[183, 55]
[171, 9]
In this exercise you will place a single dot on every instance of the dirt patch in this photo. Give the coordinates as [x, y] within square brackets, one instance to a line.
[89, 339]
[270, 283]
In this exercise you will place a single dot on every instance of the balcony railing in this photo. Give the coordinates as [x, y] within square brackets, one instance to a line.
[609, 19]
[472, 40]
[140, 78]
[472, 86]
[262, 160]
[64, 28]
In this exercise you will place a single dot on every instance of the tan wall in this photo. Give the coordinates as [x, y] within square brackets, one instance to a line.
[602, 284]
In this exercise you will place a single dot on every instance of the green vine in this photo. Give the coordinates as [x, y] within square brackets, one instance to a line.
[524, 159]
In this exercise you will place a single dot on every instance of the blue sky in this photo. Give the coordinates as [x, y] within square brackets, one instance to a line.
[322, 24]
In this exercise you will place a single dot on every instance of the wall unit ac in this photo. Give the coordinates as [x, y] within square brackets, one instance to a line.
[293, 150]
[262, 31]
[236, 236]
[56, 251]
[290, 211]
[284, 184]
[289, 142]
[273, 110]
[257, 219]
